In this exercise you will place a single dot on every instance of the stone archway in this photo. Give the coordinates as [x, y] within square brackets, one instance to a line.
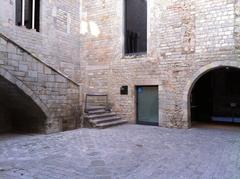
[20, 109]
[191, 83]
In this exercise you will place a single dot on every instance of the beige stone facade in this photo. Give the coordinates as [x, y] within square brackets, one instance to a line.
[34, 96]
[185, 40]
[44, 65]
[84, 41]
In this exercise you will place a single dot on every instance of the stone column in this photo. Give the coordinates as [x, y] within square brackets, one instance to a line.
[237, 28]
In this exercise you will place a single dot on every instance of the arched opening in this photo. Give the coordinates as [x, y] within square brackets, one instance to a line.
[18, 112]
[215, 97]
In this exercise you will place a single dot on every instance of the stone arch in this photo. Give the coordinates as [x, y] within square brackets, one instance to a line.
[197, 75]
[21, 88]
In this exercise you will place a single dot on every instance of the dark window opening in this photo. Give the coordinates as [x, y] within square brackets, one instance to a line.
[29, 13]
[18, 12]
[135, 26]
[37, 15]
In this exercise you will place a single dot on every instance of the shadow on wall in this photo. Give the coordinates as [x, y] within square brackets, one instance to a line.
[18, 112]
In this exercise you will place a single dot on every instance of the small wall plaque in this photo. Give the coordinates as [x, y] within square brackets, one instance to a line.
[124, 90]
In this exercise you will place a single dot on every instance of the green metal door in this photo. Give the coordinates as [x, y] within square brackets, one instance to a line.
[147, 105]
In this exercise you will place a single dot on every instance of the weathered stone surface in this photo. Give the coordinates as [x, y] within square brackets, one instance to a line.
[57, 42]
[125, 152]
[56, 95]
[85, 41]
[184, 37]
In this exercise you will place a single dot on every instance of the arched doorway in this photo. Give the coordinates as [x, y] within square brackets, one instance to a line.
[18, 111]
[215, 96]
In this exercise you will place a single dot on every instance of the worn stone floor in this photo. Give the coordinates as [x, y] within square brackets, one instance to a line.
[128, 152]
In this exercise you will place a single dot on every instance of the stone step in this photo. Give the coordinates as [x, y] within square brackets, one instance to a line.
[99, 111]
[109, 124]
[105, 120]
[96, 116]
[94, 108]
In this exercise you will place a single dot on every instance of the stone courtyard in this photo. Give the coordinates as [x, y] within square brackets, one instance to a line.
[166, 63]
[128, 151]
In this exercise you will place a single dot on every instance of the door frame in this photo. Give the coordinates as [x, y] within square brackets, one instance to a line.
[136, 104]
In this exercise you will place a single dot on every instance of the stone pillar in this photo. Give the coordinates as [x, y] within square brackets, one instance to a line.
[237, 28]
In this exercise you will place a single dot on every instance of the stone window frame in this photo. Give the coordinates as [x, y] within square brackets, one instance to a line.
[123, 14]
[33, 23]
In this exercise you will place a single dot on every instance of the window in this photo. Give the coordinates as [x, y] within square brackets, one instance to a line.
[135, 26]
[28, 13]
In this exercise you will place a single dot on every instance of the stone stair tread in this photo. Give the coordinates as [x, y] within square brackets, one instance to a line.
[93, 108]
[108, 124]
[100, 111]
[107, 114]
[99, 116]
[105, 119]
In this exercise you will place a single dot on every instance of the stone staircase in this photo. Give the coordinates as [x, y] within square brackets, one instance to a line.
[101, 117]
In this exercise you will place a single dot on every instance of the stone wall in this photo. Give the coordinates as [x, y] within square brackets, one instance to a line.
[237, 27]
[184, 37]
[56, 95]
[85, 41]
[57, 43]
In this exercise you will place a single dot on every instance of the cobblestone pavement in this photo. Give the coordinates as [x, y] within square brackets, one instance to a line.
[128, 151]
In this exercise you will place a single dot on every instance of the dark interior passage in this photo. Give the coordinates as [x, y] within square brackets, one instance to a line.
[216, 96]
[18, 112]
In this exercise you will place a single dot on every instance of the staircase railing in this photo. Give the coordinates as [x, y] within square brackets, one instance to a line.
[96, 100]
